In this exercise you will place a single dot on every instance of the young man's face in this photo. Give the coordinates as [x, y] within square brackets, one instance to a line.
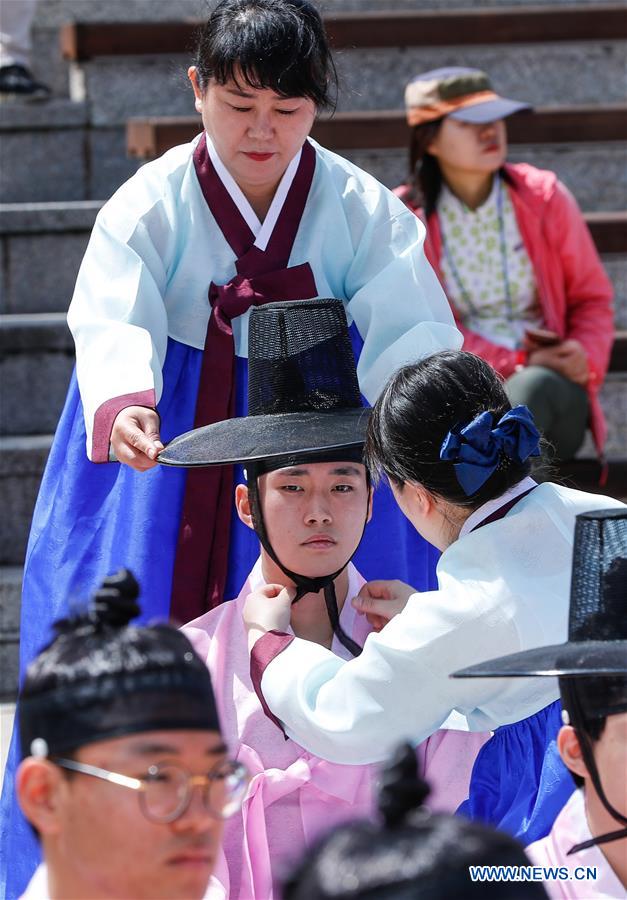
[315, 514]
[102, 842]
[610, 753]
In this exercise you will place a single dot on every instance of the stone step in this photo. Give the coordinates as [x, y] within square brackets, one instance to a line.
[54, 13]
[22, 461]
[42, 248]
[10, 603]
[569, 54]
[595, 173]
[541, 74]
[119, 88]
[51, 152]
[589, 159]
[91, 162]
[82, 41]
[51, 15]
[44, 145]
[35, 236]
[37, 358]
[387, 129]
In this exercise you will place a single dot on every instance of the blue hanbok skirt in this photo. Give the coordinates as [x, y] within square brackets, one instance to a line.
[519, 783]
[92, 519]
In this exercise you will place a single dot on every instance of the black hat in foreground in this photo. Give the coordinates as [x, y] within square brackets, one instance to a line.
[597, 625]
[101, 677]
[303, 393]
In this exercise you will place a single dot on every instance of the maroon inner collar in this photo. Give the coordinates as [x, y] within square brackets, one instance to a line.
[230, 220]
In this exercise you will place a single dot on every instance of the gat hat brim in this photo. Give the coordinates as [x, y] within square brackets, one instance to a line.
[254, 438]
[576, 658]
[489, 111]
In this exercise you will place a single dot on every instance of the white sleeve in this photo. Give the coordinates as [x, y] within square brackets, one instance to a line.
[117, 315]
[399, 688]
[396, 300]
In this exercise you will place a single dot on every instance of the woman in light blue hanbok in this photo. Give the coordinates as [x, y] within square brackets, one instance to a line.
[251, 211]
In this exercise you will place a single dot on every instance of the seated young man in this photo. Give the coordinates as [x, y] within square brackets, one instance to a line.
[590, 833]
[119, 727]
[308, 497]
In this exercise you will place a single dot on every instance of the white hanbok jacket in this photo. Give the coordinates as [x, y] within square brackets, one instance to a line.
[502, 588]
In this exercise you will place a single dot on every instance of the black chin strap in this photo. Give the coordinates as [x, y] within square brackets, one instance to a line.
[602, 839]
[303, 584]
[577, 718]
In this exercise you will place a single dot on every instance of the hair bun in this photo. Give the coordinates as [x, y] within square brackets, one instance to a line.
[114, 603]
[112, 606]
[402, 790]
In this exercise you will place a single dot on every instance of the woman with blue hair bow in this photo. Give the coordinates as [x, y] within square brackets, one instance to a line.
[457, 457]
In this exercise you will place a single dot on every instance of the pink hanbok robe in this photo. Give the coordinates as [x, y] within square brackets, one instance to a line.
[571, 828]
[295, 797]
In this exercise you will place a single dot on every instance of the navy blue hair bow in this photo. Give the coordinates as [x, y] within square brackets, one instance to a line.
[477, 448]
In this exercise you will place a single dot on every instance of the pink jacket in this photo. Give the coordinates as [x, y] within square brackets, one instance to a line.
[575, 881]
[294, 797]
[574, 292]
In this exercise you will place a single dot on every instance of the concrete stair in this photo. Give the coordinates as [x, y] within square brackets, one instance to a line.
[52, 152]
[60, 160]
[42, 248]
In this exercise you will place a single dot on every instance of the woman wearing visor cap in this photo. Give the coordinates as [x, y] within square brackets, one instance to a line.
[513, 253]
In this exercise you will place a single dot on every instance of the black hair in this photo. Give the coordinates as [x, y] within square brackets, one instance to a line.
[96, 641]
[415, 854]
[425, 175]
[275, 44]
[101, 678]
[589, 700]
[420, 404]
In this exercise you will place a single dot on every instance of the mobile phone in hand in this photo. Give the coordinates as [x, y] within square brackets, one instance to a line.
[542, 336]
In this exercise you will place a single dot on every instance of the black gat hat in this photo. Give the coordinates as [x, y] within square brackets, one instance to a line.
[597, 625]
[303, 393]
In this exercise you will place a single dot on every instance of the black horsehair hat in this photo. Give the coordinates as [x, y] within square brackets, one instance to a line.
[303, 393]
[597, 624]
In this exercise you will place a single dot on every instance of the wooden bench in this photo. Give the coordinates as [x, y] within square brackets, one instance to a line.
[82, 41]
[147, 138]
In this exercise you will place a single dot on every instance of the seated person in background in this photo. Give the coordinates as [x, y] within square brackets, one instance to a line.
[513, 253]
[308, 498]
[119, 726]
[592, 670]
[412, 854]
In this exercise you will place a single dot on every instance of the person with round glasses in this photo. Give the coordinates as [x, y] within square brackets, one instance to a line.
[125, 778]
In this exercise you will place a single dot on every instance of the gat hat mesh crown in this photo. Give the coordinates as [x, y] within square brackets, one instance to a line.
[597, 626]
[303, 393]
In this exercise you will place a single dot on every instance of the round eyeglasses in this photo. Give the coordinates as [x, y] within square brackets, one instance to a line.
[165, 792]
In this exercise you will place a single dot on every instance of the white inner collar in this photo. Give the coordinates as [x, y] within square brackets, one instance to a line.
[492, 505]
[262, 232]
